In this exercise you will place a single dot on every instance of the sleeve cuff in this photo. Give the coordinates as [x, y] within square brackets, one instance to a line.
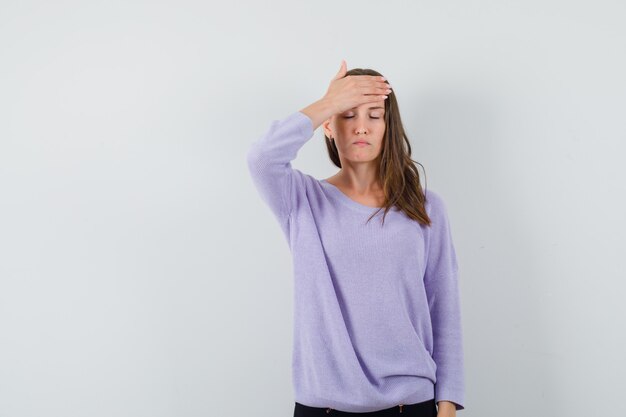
[442, 394]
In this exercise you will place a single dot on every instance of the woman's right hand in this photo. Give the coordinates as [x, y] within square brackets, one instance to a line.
[345, 93]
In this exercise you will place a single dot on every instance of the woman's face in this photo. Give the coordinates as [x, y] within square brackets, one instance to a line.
[363, 123]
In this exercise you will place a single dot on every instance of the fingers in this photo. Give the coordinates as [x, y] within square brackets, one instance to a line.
[358, 89]
[371, 81]
[368, 78]
[378, 88]
[368, 84]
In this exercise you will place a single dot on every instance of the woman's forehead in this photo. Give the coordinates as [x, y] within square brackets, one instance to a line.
[370, 106]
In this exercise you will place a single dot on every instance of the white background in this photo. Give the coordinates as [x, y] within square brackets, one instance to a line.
[142, 275]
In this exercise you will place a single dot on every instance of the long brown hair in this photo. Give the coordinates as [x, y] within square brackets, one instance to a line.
[399, 176]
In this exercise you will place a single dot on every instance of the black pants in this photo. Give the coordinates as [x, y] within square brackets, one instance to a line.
[423, 409]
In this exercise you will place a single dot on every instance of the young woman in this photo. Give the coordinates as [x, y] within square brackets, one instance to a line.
[377, 322]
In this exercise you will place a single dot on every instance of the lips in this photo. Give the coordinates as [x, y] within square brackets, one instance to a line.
[360, 142]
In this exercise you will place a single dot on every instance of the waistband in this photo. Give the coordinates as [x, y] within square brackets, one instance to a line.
[302, 410]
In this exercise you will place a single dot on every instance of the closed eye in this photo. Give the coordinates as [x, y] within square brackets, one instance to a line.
[350, 117]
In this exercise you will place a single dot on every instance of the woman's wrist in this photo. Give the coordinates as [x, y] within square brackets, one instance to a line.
[319, 111]
[446, 408]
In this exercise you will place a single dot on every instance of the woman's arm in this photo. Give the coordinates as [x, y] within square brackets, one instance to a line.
[269, 162]
[442, 289]
[318, 112]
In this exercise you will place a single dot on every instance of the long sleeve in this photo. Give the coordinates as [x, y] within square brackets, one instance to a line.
[269, 162]
[443, 292]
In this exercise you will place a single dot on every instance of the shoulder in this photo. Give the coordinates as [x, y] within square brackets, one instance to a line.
[434, 202]
[436, 208]
[303, 177]
[305, 181]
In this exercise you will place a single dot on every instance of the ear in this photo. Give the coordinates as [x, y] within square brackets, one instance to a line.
[327, 130]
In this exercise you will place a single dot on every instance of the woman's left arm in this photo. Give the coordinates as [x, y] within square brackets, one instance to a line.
[442, 289]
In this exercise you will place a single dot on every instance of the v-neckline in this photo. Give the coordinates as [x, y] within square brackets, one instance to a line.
[348, 200]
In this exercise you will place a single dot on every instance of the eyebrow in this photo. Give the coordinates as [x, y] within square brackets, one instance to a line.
[371, 108]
